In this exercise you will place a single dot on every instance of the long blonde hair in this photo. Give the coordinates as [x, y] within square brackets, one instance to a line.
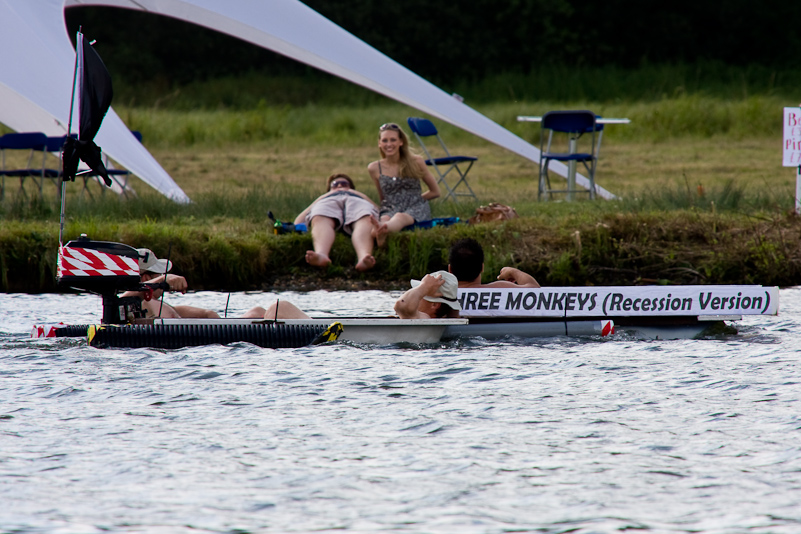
[406, 165]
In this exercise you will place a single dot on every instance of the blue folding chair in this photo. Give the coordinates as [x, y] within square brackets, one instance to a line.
[425, 128]
[33, 142]
[568, 126]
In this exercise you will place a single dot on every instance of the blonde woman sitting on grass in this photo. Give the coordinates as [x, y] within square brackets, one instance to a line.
[398, 176]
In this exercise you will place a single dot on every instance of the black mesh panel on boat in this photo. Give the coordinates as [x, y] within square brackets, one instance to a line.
[274, 336]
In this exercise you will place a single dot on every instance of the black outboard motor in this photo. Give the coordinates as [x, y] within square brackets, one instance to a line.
[104, 268]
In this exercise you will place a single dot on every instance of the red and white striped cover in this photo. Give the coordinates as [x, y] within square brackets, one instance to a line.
[87, 262]
[607, 327]
[46, 330]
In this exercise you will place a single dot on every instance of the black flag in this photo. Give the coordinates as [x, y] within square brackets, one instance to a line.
[94, 95]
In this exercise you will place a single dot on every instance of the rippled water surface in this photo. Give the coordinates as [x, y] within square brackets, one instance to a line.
[548, 435]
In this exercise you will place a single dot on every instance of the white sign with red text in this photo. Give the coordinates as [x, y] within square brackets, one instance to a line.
[616, 301]
[792, 137]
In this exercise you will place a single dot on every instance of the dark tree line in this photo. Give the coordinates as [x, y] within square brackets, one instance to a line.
[448, 42]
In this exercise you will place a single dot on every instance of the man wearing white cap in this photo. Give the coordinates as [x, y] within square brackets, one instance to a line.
[154, 271]
[433, 297]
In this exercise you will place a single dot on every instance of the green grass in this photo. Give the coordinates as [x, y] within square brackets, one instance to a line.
[252, 206]
[314, 124]
[702, 194]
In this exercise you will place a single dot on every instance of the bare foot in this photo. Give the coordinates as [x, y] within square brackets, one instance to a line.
[316, 259]
[366, 263]
[381, 234]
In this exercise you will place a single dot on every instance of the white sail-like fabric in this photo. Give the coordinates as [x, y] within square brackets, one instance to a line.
[36, 72]
[40, 75]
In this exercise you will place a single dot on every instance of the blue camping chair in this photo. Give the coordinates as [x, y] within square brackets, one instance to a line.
[32, 142]
[443, 165]
[563, 129]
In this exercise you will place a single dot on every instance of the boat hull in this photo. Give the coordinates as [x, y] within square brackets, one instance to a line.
[172, 333]
[530, 329]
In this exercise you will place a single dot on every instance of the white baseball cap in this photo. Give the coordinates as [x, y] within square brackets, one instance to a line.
[448, 290]
[150, 263]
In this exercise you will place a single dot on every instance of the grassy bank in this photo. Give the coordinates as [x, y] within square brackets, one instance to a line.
[595, 248]
[702, 194]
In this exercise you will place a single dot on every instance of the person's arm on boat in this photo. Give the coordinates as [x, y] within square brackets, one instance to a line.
[407, 306]
[176, 283]
[153, 306]
[517, 277]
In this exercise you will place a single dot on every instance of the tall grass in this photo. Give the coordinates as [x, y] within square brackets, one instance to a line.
[730, 198]
[314, 125]
[207, 208]
[285, 202]
[649, 82]
[544, 82]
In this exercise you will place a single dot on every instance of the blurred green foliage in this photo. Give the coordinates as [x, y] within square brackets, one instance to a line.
[457, 45]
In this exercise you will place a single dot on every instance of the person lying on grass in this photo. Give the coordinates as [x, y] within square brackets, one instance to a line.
[341, 208]
[433, 297]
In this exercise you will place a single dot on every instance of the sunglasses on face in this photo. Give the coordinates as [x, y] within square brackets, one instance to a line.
[339, 183]
[389, 126]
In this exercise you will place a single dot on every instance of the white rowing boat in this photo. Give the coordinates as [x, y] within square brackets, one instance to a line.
[174, 333]
[647, 312]
[391, 330]
[371, 330]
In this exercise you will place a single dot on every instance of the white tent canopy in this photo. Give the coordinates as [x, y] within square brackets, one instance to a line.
[35, 83]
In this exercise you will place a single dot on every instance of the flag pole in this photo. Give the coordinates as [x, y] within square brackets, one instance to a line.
[62, 217]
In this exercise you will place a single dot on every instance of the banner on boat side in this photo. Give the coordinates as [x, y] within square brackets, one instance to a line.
[619, 301]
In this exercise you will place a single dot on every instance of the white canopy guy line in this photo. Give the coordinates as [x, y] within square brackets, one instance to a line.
[41, 74]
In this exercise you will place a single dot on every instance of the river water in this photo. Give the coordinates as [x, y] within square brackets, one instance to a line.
[547, 435]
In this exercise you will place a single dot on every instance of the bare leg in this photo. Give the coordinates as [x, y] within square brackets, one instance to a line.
[193, 312]
[376, 225]
[286, 310]
[323, 235]
[399, 221]
[362, 240]
[387, 225]
[254, 313]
